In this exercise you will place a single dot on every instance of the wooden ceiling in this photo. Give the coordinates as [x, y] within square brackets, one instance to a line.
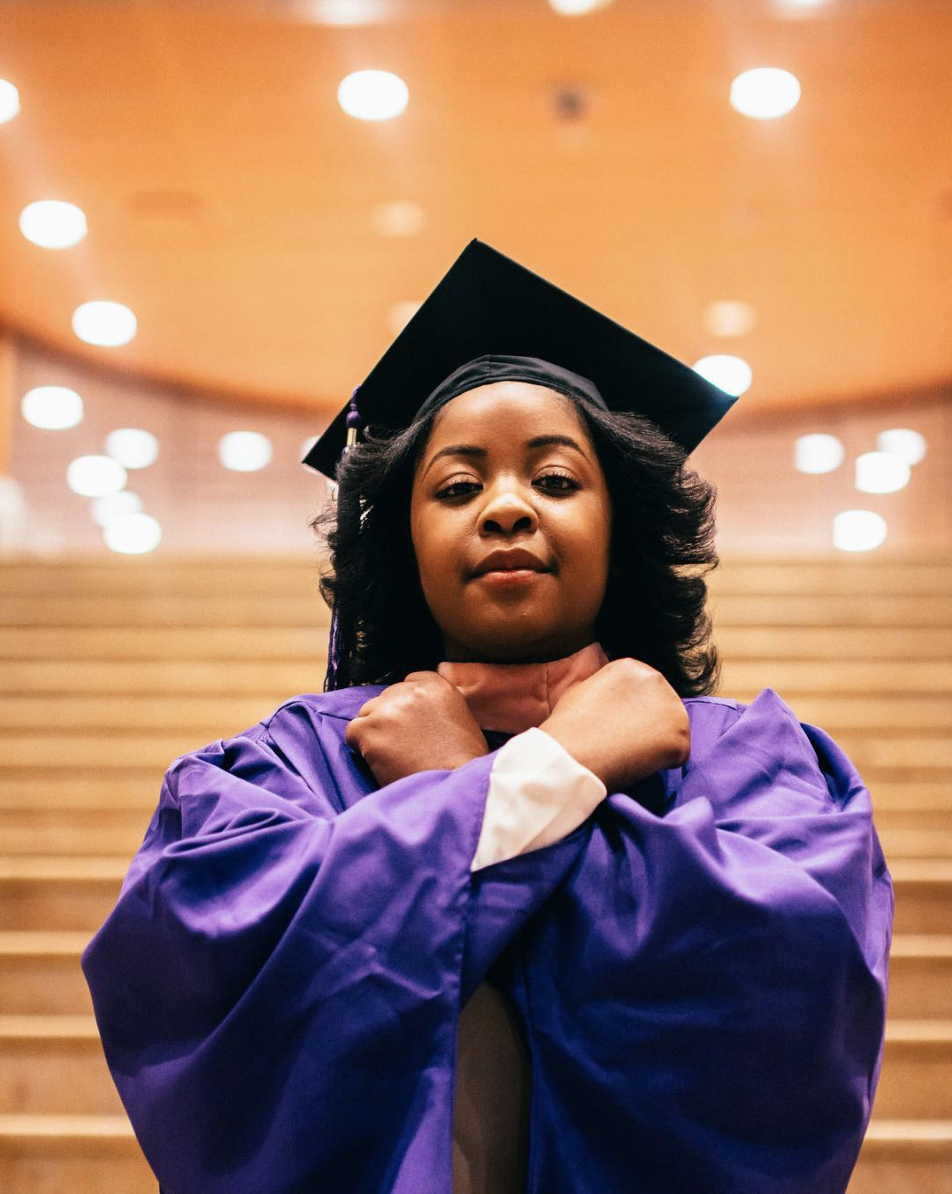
[233, 205]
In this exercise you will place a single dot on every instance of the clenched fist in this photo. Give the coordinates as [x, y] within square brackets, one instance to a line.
[623, 723]
[421, 724]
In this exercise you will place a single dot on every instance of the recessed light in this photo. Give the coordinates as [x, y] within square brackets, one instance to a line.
[104, 323]
[400, 314]
[9, 101]
[731, 374]
[858, 530]
[373, 95]
[52, 408]
[111, 505]
[95, 476]
[398, 217]
[53, 223]
[132, 534]
[765, 93]
[133, 447]
[729, 317]
[817, 453]
[344, 13]
[576, 8]
[881, 472]
[903, 442]
[244, 451]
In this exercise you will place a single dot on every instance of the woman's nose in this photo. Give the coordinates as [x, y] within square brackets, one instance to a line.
[507, 513]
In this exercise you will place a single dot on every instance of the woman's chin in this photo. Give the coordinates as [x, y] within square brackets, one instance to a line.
[520, 647]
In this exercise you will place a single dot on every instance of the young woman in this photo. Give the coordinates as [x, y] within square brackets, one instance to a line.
[515, 905]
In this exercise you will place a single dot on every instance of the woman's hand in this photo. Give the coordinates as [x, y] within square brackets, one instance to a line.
[422, 724]
[623, 723]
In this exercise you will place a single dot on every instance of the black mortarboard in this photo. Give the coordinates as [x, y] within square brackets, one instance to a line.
[489, 304]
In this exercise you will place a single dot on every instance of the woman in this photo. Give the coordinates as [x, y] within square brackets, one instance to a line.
[514, 905]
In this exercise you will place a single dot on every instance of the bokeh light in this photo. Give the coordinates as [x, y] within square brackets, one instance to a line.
[9, 101]
[244, 451]
[817, 453]
[133, 447]
[858, 530]
[903, 442]
[95, 476]
[373, 95]
[104, 323]
[52, 408]
[111, 505]
[729, 373]
[132, 534]
[398, 217]
[729, 317]
[765, 93]
[576, 8]
[881, 472]
[53, 223]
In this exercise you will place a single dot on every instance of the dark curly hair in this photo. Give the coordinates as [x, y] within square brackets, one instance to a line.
[661, 551]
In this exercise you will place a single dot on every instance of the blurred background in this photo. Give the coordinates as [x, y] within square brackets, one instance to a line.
[215, 215]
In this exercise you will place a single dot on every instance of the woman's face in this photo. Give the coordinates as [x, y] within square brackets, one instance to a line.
[511, 523]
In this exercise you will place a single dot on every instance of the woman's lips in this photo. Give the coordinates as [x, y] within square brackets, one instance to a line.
[510, 577]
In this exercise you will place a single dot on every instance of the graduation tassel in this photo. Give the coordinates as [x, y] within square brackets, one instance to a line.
[335, 644]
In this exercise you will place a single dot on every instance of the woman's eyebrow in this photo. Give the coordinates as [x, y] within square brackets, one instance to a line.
[538, 441]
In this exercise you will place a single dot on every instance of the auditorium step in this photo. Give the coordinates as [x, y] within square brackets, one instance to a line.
[63, 892]
[108, 670]
[39, 973]
[98, 1154]
[54, 1064]
[905, 1157]
[50, 1154]
[81, 1154]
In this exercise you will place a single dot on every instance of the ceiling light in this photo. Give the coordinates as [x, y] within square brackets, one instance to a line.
[730, 374]
[95, 476]
[373, 95]
[881, 472]
[344, 13]
[244, 451]
[400, 315]
[9, 101]
[576, 8]
[902, 442]
[858, 530]
[104, 323]
[132, 534]
[729, 318]
[53, 408]
[132, 447]
[817, 453]
[53, 224]
[765, 93]
[398, 217]
[111, 505]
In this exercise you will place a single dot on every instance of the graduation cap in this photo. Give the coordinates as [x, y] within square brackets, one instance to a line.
[489, 305]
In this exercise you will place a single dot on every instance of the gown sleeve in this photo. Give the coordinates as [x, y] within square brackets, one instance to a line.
[279, 986]
[709, 981]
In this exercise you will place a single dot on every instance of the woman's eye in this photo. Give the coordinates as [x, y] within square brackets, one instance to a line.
[557, 483]
[459, 488]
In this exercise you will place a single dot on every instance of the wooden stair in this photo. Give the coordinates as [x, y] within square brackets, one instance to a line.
[109, 670]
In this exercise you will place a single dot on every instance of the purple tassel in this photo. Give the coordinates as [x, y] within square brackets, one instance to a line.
[334, 643]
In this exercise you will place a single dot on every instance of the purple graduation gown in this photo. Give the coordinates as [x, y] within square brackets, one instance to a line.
[699, 970]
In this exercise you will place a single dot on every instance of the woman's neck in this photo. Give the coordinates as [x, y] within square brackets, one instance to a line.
[512, 697]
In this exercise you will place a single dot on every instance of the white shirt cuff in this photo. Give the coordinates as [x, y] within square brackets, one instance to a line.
[538, 794]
